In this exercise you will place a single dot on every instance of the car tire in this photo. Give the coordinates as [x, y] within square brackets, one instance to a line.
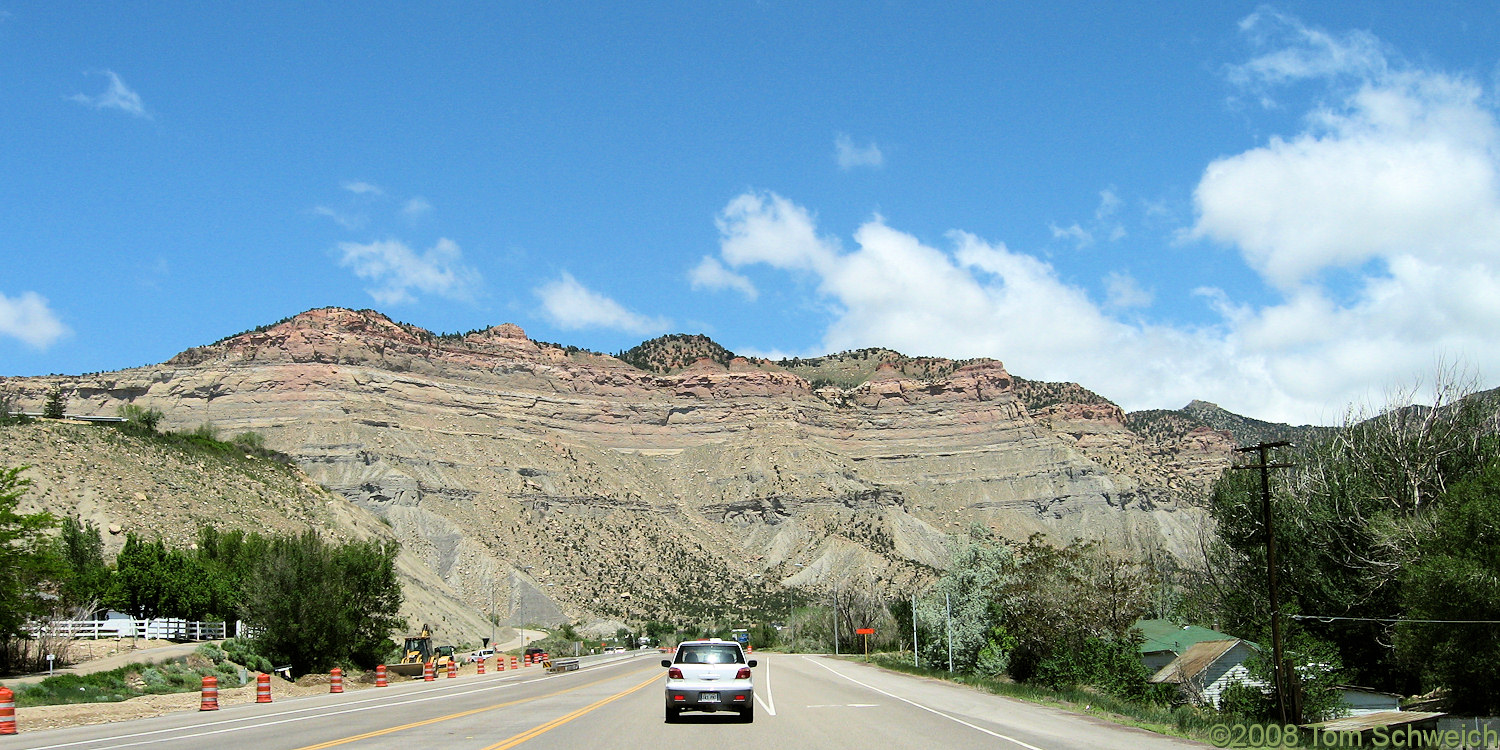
[748, 715]
[672, 715]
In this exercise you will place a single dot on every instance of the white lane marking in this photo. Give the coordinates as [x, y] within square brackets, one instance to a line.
[949, 717]
[383, 703]
[844, 705]
[766, 677]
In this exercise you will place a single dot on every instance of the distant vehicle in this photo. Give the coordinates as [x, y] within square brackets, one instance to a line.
[488, 654]
[710, 675]
[535, 652]
[418, 651]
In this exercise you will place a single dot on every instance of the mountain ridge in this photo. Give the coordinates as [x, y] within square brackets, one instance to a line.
[507, 464]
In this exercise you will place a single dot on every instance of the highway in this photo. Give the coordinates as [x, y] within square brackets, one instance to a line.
[802, 701]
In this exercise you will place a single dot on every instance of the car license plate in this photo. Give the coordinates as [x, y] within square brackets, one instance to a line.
[708, 697]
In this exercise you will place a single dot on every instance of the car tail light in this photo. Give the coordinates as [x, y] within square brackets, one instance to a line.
[674, 674]
[744, 674]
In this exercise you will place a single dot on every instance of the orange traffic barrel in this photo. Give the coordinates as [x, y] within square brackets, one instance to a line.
[263, 688]
[514, 663]
[336, 681]
[452, 669]
[380, 680]
[210, 694]
[428, 673]
[7, 711]
[481, 665]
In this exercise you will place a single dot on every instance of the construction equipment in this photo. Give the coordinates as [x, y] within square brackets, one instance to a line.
[418, 651]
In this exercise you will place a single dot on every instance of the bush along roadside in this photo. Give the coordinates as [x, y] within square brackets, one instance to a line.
[134, 680]
[1179, 721]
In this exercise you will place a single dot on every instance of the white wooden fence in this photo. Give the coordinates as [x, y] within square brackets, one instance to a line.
[164, 628]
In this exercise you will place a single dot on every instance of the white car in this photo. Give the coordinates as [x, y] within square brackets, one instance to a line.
[488, 654]
[710, 675]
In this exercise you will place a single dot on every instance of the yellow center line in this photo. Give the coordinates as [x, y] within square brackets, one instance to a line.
[461, 714]
[561, 720]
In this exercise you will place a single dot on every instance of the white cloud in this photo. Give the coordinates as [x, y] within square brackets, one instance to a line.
[346, 220]
[711, 274]
[28, 318]
[1295, 52]
[571, 305]
[117, 96]
[1122, 291]
[397, 270]
[1078, 235]
[360, 187]
[415, 208]
[850, 156]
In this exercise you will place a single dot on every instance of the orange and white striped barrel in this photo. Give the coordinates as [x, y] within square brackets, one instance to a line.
[7, 711]
[481, 665]
[428, 672]
[380, 680]
[528, 660]
[452, 668]
[514, 663]
[263, 688]
[336, 680]
[210, 700]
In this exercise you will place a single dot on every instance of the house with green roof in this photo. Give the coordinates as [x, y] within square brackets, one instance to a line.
[1164, 640]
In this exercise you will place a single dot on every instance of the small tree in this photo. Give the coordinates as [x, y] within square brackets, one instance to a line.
[140, 417]
[28, 565]
[57, 403]
[81, 548]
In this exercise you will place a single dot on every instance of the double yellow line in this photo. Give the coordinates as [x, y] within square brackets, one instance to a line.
[511, 742]
[561, 720]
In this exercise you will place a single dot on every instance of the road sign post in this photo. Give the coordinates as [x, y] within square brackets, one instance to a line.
[866, 632]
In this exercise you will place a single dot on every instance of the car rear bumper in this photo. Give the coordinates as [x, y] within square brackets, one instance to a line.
[724, 696]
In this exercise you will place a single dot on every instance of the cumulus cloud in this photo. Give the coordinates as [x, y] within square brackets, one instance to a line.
[712, 275]
[571, 305]
[397, 271]
[347, 220]
[850, 156]
[116, 96]
[27, 317]
[1122, 291]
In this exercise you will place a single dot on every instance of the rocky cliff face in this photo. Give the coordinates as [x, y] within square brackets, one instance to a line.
[562, 480]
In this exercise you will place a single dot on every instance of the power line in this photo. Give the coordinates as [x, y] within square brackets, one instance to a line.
[1332, 618]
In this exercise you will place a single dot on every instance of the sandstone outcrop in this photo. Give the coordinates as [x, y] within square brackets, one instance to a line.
[557, 480]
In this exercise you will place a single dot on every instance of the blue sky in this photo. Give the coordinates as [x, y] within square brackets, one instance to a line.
[1280, 208]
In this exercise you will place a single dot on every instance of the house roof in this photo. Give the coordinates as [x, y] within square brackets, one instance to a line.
[1377, 719]
[1165, 635]
[1192, 662]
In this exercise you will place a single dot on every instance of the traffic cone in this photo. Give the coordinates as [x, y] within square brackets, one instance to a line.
[452, 669]
[263, 688]
[336, 681]
[481, 665]
[210, 694]
[7, 711]
[380, 680]
[428, 674]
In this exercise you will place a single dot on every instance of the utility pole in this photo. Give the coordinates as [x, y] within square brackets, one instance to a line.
[914, 631]
[948, 604]
[1265, 465]
[835, 618]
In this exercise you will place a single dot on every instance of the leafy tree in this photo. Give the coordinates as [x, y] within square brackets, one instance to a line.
[144, 419]
[140, 583]
[972, 592]
[28, 563]
[56, 406]
[81, 549]
[1457, 577]
[321, 605]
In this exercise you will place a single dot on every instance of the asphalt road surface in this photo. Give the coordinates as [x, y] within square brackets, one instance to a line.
[801, 702]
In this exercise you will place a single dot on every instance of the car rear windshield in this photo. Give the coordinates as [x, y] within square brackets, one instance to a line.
[710, 655]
